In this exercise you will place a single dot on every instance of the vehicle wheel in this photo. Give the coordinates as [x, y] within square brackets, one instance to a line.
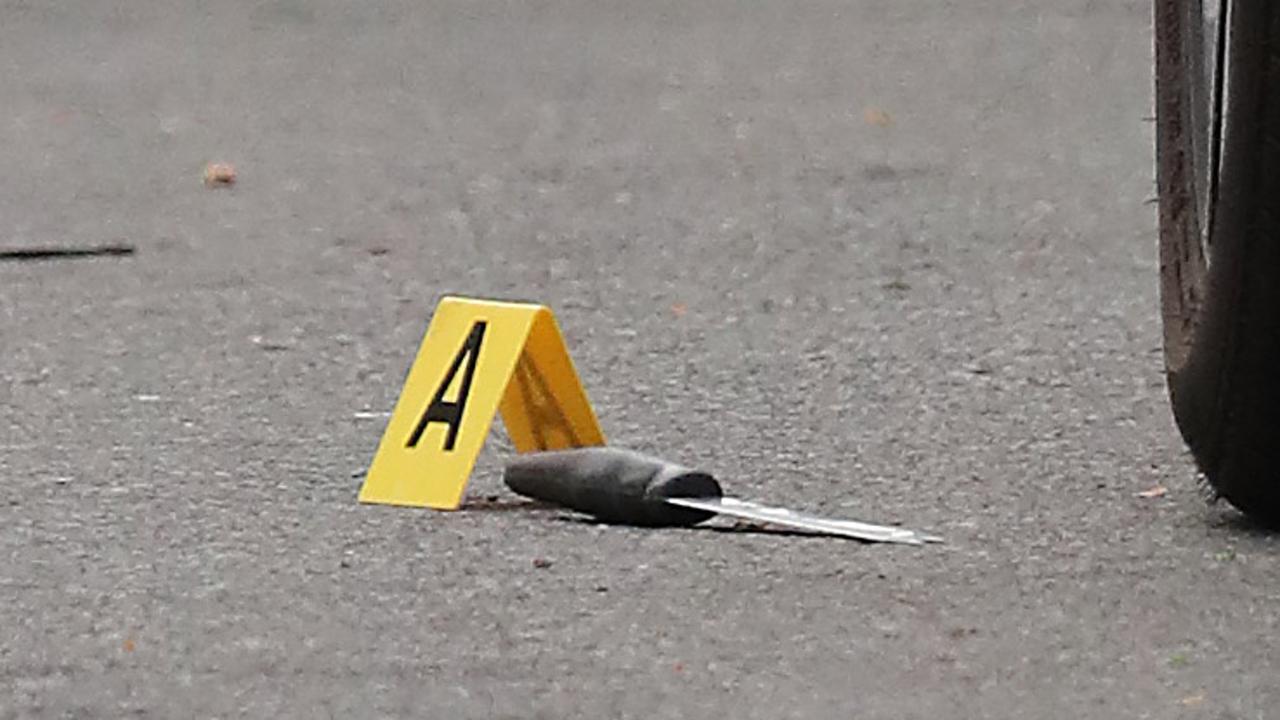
[1218, 164]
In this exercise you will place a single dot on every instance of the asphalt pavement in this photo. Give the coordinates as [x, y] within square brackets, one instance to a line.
[886, 260]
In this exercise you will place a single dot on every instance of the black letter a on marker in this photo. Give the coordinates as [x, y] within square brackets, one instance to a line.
[450, 413]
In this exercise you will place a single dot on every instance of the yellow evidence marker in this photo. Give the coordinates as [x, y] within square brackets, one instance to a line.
[478, 357]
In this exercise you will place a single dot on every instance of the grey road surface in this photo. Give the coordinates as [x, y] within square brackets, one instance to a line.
[883, 259]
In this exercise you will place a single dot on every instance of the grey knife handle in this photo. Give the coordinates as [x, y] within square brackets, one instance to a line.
[612, 484]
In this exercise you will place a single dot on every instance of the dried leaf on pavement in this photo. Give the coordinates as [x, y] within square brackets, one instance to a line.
[219, 174]
[877, 117]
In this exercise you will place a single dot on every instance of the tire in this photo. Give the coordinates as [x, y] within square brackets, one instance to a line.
[1222, 313]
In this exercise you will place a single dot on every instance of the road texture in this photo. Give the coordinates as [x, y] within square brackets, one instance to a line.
[885, 260]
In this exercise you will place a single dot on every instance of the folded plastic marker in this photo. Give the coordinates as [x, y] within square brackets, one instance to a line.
[630, 488]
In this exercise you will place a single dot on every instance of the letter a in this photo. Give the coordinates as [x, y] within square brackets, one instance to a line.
[450, 413]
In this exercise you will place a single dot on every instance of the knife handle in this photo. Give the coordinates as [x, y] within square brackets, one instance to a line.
[612, 484]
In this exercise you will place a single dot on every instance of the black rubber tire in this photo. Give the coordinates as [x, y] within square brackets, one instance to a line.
[1222, 319]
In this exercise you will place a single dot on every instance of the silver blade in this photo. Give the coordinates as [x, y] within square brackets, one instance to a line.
[748, 510]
